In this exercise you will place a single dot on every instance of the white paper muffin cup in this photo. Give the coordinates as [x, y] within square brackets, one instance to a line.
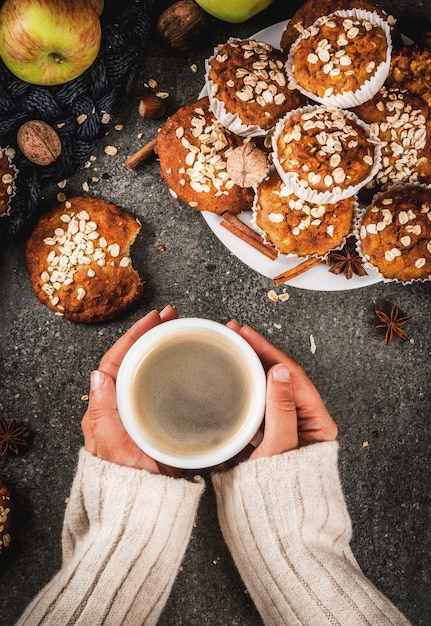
[291, 179]
[231, 121]
[256, 208]
[370, 87]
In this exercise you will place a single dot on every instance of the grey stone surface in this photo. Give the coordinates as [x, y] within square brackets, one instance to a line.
[377, 394]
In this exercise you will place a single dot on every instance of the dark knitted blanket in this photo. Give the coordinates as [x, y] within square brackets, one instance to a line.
[100, 89]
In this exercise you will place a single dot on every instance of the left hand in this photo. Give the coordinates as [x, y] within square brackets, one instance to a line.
[104, 433]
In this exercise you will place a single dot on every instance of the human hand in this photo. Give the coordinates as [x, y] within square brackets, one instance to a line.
[104, 433]
[295, 415]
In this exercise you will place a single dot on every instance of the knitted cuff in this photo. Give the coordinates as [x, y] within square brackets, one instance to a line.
[285, 521]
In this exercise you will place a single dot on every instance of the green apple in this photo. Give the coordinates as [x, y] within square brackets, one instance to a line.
[48, 42]
[234, 11]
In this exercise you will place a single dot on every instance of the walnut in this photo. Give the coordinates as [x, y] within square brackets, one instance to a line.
[39, 142]
[182, 25]
[246, 165]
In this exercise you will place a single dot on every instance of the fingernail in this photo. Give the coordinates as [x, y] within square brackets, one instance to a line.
[281, 373]
[97, 380]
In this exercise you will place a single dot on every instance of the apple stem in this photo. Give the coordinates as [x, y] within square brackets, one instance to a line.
[57, 58]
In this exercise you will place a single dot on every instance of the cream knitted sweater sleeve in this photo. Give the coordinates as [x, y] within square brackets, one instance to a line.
[285, 521]
[124, 536]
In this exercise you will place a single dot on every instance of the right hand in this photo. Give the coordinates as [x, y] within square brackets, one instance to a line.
[295, 414]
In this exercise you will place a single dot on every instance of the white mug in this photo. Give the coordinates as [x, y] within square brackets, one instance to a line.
[191, 393]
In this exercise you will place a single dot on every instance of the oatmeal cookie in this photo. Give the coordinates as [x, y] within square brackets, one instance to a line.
[78, 260]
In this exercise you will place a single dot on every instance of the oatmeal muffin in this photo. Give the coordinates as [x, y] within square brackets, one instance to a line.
[311, 10]
[402, 123]
[295, 226]
[342, 59]
[8, 175]
[78, 260]
[248, 88]
[193, 148]
[411, 69]
[395, 233]
[324, 154]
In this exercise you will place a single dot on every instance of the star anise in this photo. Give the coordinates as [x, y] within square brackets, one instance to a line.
[347, 261]
[12, 436]
[393, 323]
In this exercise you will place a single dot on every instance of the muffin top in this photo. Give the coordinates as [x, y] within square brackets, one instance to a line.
[402, 122]
[296, 226]
[341, 59]
[248, 86]
[324, 154]
[193, 148]
[395, 233]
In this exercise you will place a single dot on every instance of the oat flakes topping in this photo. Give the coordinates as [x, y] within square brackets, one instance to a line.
[75, 244]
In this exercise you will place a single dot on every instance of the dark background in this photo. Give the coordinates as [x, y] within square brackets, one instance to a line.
[379, 395]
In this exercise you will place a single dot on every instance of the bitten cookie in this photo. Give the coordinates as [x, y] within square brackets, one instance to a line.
[78, 260]
[5, 515]
[193, 149]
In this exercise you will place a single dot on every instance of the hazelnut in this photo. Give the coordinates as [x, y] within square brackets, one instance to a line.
[182, 25]
[39, 142]
[152, 107]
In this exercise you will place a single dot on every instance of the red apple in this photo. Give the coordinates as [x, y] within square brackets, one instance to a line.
[48, 42]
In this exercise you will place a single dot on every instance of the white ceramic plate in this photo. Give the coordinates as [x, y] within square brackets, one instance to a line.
[319, 278]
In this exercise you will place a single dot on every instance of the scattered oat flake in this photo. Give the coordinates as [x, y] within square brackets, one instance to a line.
[278, 326]
[365, 444]
[84, 397]
[162, 95]
[152, 83]
[111, 150]
[272, 295]
[118, 126]
[194, 68]
[312, 344]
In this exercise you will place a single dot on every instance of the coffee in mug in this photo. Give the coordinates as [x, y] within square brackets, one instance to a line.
[191, 393]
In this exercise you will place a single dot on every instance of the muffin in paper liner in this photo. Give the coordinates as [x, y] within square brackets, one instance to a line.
[8, 175]
[296, 227]
[333, 63]
[396, 230]
[257, 89]
[311, 147]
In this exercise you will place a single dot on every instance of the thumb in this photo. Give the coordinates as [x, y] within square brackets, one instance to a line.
[102, 407]
[281, 422]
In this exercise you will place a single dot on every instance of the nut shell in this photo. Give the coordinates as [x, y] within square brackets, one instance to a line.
[39, 142]
[182, 25]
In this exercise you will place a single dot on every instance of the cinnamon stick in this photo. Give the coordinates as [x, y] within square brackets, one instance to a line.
[142, 155]
[236, 226]
[297, 270]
